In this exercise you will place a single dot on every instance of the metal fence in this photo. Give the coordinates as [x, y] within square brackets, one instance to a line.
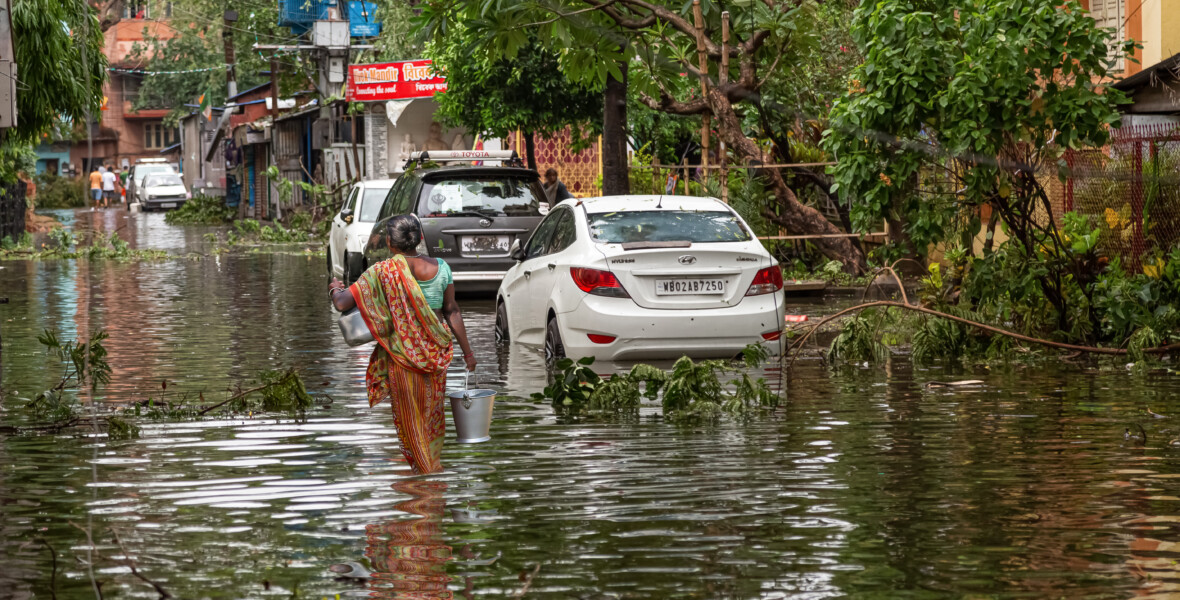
[12, 210]
[1130, 189]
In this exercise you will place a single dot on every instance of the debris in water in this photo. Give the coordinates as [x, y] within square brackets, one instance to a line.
[350, 570]
[937, 384]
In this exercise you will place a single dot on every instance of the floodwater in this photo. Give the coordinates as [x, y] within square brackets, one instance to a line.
[868, 484]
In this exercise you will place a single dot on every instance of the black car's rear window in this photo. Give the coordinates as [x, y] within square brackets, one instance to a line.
[480, 196]
[698, 227]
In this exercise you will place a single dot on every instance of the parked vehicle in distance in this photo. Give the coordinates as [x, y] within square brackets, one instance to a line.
[142, 168]
[642, 277]
[351, 228]
[471, 214]
[161, 190]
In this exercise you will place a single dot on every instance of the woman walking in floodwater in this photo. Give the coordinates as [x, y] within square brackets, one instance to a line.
[408, 301]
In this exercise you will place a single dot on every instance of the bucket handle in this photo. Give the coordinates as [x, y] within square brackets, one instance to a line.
[466, 387]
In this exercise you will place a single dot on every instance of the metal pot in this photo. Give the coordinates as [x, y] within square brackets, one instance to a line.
[354, 328]
[472, 412]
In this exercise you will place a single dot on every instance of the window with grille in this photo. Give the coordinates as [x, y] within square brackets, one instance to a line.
[133, 9]
[1112, 14]
[156, 136]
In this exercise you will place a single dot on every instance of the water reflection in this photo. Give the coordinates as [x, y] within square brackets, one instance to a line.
[408, 554]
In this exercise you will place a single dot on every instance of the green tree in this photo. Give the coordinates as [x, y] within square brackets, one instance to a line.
[398, 39]
[498, 96]
[55, 84]
[649, 44]
[196, 42]
[974, 101]
[61, 71]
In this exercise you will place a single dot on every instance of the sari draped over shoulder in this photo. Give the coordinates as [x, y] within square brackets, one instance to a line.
[409, 364]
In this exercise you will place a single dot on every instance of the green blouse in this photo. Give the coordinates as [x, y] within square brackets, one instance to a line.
[435, 288]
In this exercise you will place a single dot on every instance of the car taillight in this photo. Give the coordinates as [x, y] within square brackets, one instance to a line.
[771, 336]
[767, 281]
[600, 339]
[598, 282]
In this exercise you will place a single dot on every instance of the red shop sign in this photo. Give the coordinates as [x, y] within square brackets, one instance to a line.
[394, 81]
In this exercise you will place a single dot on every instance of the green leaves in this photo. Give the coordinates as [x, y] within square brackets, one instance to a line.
[691, 391]
[511, 82]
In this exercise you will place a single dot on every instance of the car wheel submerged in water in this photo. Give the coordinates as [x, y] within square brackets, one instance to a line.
[554, 348]
[501, 323]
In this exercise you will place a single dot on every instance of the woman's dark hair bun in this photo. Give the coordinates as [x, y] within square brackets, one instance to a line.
[405, 232]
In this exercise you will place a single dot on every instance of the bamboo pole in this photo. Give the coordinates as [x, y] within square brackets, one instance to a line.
[655, 176]
[723, 78]
[703, 62]
[684, 166]
[770, 166]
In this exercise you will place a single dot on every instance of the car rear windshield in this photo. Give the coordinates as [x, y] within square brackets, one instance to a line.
[165, 179]
[480, 197]
[698, 227]
[371, 203]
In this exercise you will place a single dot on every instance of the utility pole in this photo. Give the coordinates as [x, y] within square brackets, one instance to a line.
[227, 39]
[89, 126]
[274, 88]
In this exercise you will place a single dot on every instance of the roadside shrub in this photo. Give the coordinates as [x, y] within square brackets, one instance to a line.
[55, 191]
[201, 210]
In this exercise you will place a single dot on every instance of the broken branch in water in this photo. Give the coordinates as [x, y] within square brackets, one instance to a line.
[131, 564]
[989, 328]
[53, 561]
[528, 582]
[289, 378]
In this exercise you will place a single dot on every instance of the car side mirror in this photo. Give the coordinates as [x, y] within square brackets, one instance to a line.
[346, 215]
[516, 252]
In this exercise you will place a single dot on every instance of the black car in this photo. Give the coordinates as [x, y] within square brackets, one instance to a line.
[470, 214]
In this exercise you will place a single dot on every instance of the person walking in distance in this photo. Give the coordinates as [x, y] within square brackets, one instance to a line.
[554, 189]
[108, 187]
[95, 185]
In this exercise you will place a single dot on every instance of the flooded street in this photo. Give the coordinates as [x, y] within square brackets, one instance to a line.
[867, 484]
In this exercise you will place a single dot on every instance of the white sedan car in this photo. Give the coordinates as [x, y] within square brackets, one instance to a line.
[351, 228]
[642, 277]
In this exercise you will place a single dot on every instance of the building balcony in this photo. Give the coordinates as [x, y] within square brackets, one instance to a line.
[129, 112]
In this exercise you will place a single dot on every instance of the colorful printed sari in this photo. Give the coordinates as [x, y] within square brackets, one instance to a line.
[409, 364]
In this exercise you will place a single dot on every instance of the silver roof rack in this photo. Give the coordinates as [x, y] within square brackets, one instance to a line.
[508, 157]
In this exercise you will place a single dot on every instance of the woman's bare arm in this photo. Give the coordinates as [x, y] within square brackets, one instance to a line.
[454, 317]
[343, 300]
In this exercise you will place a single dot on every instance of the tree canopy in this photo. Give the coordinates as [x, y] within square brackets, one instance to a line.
[196, 42]
[498, 95]
[651, 45]
[965, 103]
[54, 83]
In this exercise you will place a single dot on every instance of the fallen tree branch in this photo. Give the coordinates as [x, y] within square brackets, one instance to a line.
[878, 273]
[131, 564]
[528, 582]
[241, 395]
[989, 328]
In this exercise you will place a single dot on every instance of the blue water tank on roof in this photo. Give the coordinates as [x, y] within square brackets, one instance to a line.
[300, 14]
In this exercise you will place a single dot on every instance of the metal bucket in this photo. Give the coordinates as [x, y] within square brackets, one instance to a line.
[472, 412]
[354, 329]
